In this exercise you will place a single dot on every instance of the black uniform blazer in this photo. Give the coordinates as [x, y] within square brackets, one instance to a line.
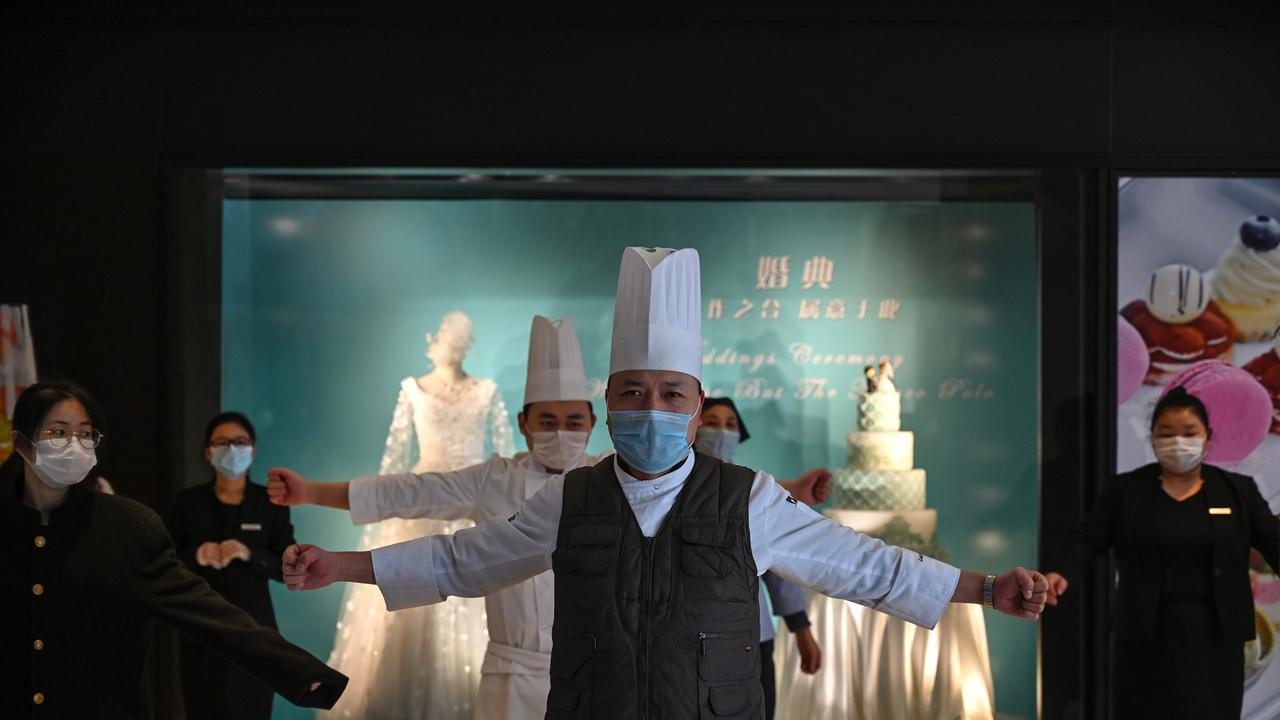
[263, 527]
[78, 596]
[1120, 521]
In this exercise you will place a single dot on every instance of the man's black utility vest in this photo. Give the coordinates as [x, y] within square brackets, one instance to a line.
[661, 628]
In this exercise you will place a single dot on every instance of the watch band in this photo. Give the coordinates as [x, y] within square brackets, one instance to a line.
[989, 592]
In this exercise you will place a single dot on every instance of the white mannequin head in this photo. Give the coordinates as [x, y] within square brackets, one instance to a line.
[448, 346]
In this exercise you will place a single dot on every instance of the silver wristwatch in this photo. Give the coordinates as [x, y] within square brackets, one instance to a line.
[989, 592]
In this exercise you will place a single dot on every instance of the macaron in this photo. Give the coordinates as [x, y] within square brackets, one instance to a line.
[1239, 407]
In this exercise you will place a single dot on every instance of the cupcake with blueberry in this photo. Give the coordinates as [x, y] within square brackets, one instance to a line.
[1246, 281]
[1179, 322]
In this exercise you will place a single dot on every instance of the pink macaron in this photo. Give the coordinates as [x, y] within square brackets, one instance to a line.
[1132, 360]
[1239, 408]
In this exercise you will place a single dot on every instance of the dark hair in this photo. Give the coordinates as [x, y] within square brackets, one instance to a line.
[29, 412]
[1179, 399]
[525, 410]
[229, 416]
[709, 403]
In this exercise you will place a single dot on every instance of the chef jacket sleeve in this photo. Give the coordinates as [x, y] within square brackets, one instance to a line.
[441, 496]
[472, 562]
[817, 552]
[174, 594]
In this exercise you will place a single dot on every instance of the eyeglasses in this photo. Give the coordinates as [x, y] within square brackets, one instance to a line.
[59, 438]
[238, 442]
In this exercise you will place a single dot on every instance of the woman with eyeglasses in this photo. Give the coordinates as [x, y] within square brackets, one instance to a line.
[83, 574]
[229, 533]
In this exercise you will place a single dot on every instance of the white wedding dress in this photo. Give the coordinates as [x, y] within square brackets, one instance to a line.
[422, 663]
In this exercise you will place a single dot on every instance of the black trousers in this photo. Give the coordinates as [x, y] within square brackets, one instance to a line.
[767, 679]
[1188, 672]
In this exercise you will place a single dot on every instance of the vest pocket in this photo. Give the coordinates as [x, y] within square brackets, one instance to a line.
[728, 701]
[705, 551]
[591, 549]
[567, 701]
[570, 696]
[728, 676]
[727, 656]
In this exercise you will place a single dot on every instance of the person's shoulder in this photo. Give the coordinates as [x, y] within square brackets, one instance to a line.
[120, 506]
[520, 459]
[125, 515]
[1136, 475]
[1237, 479]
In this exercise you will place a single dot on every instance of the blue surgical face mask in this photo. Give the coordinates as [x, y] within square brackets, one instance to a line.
[650, 441]
[232, 461]
[718, 442]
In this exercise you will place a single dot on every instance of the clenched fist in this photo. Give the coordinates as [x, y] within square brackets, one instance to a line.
[1021, 593]
[308, 567]
[811, 488]
[286, 487]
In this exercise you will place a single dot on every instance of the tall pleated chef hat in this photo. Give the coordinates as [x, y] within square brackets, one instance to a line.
[657, 315]
[555, 363]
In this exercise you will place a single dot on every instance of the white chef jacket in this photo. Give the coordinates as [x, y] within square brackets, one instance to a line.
[519, 615]
[786, 537]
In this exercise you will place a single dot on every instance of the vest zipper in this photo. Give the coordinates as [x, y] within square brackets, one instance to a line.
[702, 640]
[646, 578]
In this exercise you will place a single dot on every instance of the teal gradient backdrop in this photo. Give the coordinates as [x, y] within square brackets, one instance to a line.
[325, 304]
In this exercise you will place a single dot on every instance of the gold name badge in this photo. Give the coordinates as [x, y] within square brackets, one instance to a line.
[1220, 511]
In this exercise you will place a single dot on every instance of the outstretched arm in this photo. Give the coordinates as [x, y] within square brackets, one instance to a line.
[177, 596]
[442, 496]
[1019, 592]
[470, 563]
[833, 559]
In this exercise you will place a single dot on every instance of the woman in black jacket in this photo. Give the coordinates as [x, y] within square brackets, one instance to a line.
[1182, 532]
[227, 532]
[83, 574]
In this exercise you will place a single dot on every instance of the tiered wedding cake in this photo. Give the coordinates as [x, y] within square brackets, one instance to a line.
[881, 492]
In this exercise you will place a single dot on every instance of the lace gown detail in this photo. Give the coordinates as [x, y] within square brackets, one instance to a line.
[422, 663]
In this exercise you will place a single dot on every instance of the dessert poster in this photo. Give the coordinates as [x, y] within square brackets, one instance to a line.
[325, 304]
[1198, 281]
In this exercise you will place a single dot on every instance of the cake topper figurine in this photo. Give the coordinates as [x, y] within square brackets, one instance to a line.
[884, 383]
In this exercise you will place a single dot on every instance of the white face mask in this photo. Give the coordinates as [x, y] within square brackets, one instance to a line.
[558, 449]
[232, 461]
[718, 442]
[1179, 454]
[62, 467]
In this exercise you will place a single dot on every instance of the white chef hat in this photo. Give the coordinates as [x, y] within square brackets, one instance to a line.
[555, 363]
[657, 316]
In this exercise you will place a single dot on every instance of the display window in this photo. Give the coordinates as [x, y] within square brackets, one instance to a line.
[335, 284]
[1198, 295]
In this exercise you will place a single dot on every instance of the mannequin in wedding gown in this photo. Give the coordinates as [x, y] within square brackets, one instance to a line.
[423, 663]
